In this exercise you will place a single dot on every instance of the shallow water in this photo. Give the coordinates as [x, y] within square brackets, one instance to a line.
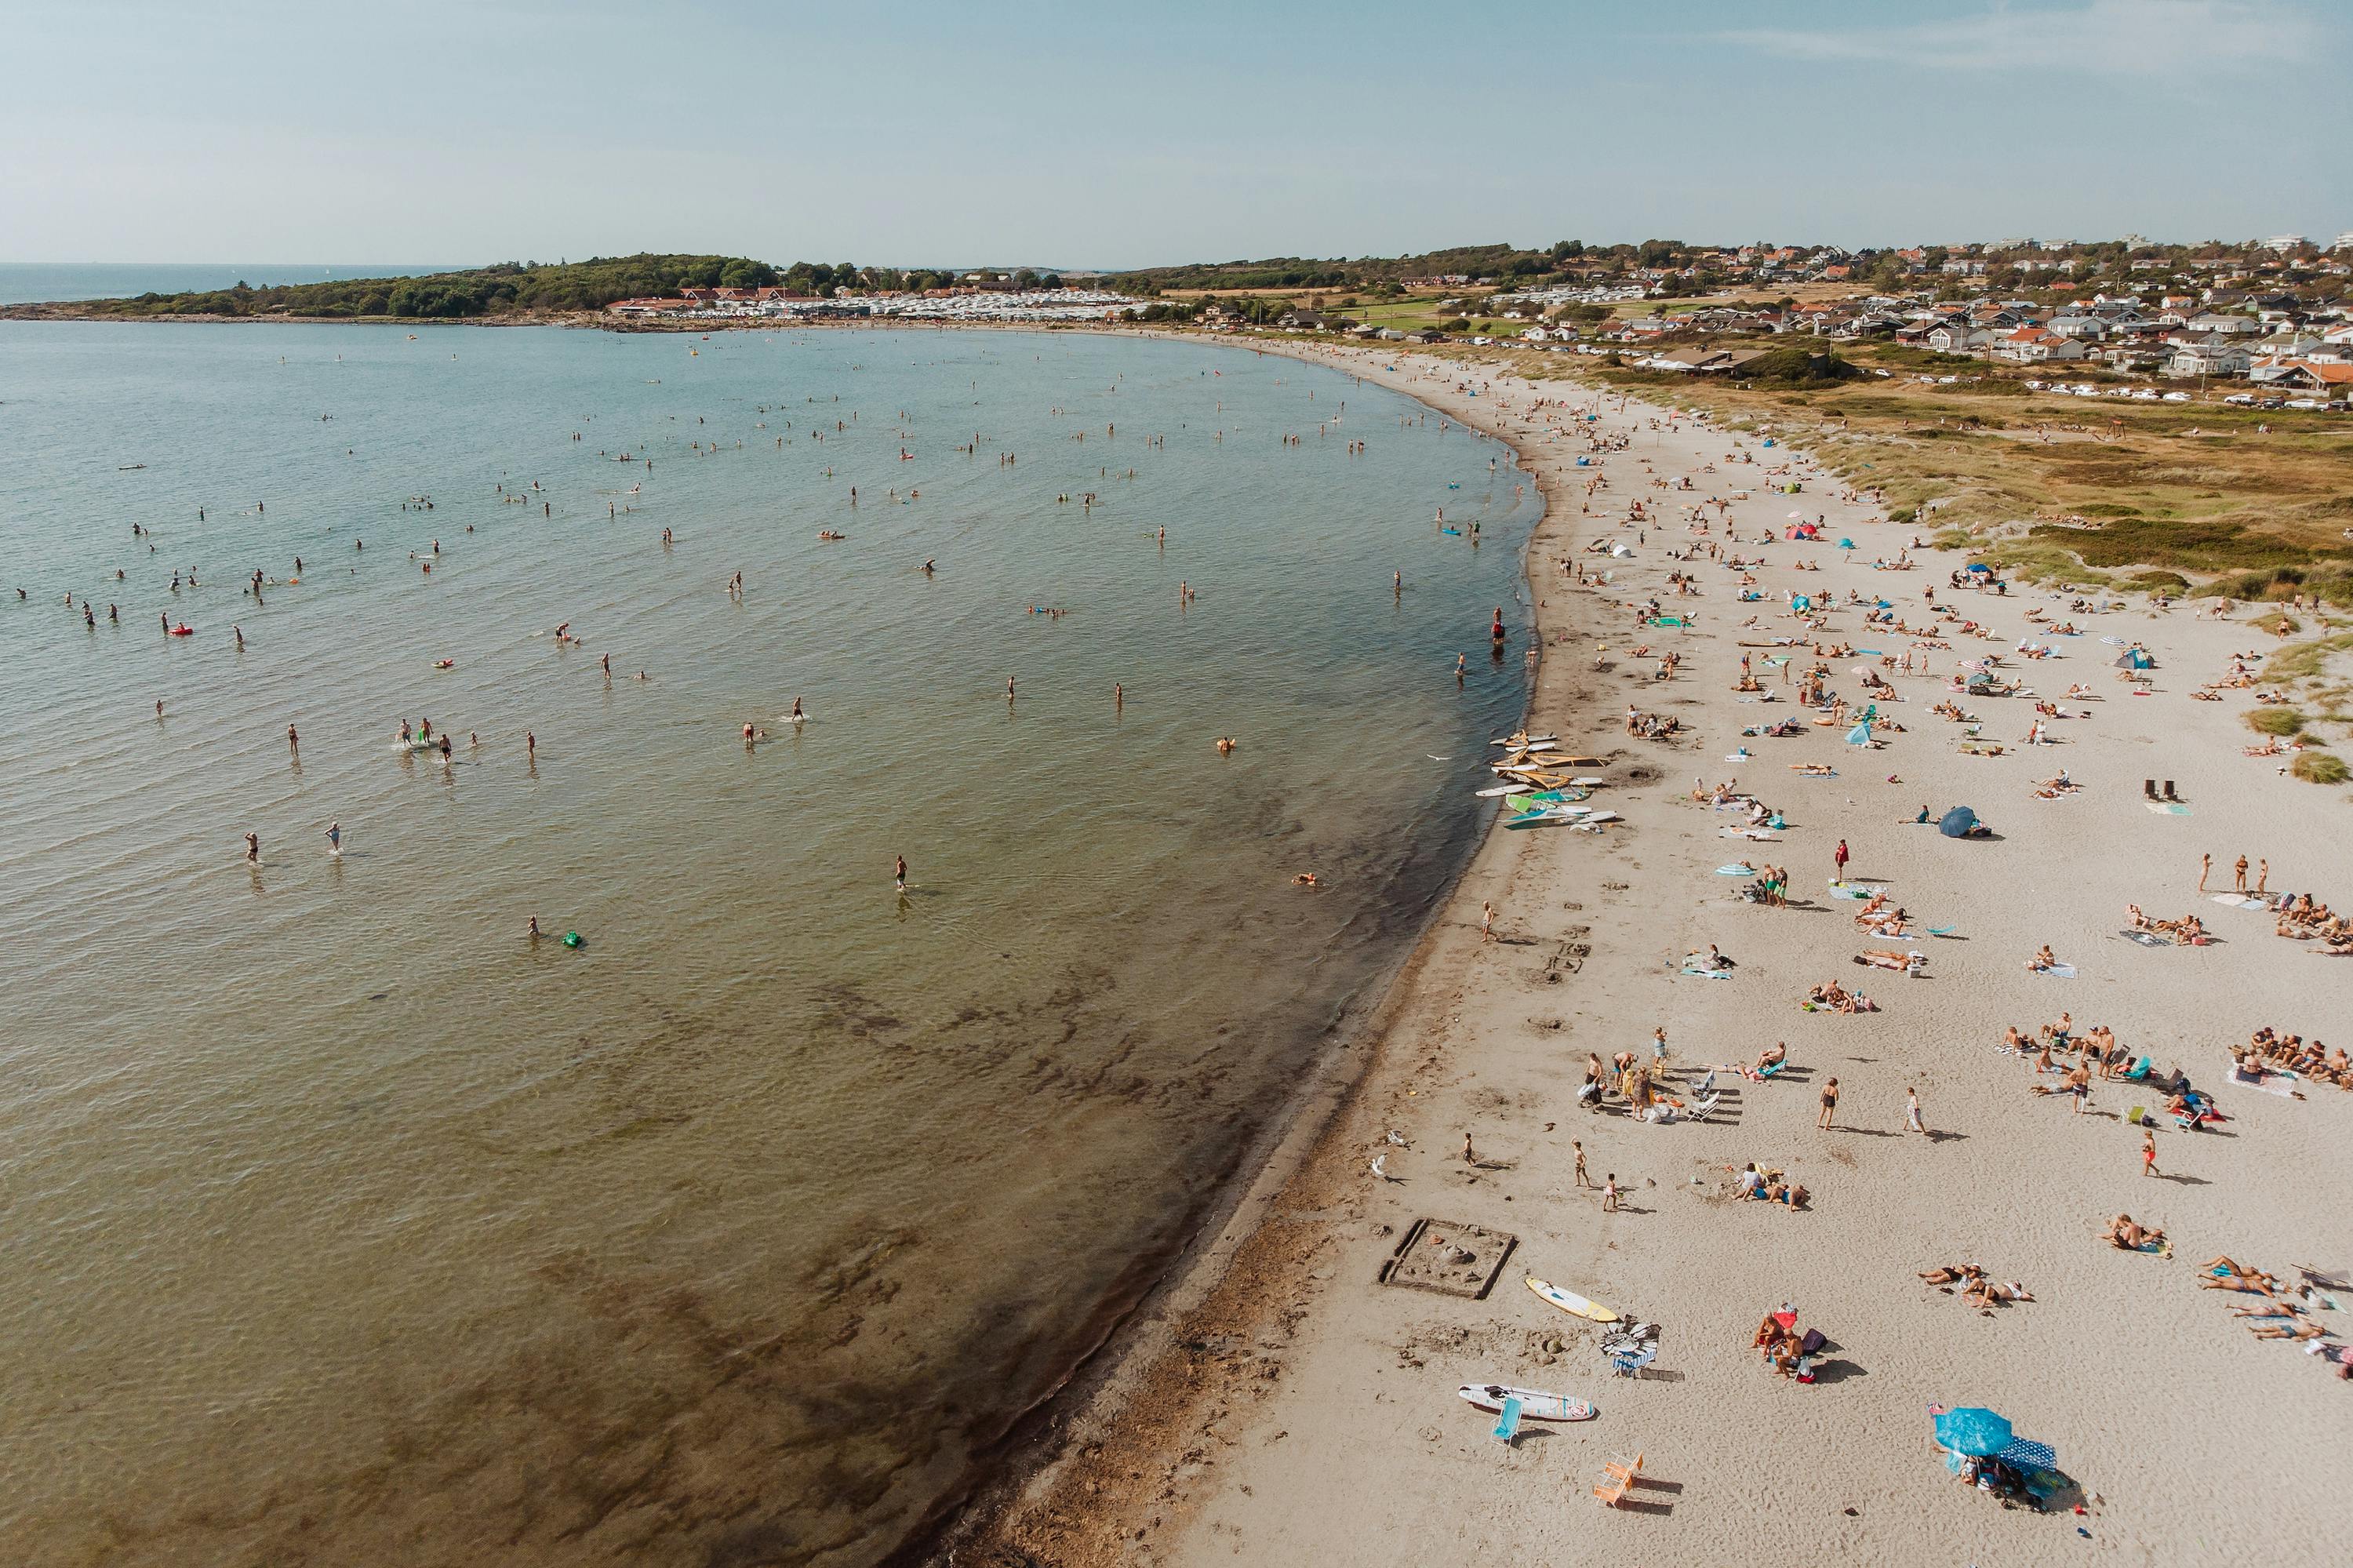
[345, 1225]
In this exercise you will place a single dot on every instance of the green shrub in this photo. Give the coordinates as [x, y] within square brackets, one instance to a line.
[2275, 721]
[2321, 767]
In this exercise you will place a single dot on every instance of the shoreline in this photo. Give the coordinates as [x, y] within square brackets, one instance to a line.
[1108, 1377]
[1070, 1441]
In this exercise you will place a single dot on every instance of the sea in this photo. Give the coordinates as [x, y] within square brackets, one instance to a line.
[347, 1222]
[28, 283]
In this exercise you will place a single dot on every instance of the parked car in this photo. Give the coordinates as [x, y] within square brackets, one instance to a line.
[2241, 399]
[2176, 396]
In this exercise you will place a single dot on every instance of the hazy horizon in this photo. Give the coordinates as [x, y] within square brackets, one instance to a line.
[1107, 142]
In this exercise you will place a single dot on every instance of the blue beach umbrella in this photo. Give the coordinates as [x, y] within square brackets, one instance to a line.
[1973, 1430]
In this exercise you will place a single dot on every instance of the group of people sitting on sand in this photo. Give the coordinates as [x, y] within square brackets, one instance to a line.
[1879, 918]
[1832, 997]
[1784, 1348]
[1976, 1287]
[2189, 931]
[1769, 1186]
[2128, 1234]
[2268, 1052]
[2305, 918]
[1651, 727]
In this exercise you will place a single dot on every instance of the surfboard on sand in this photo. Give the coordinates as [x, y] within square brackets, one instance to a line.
[1535, 1405]
[1570, 1301]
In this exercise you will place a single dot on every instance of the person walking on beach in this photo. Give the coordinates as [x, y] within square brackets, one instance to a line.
[1610, 1193]
[2263, 874]
[2205, 867]
[1659, 1043]
[898, 873]
[2239, 873]
[2149, 1152]
[1912, 1112]
[1487, 922]
[1582, 1179]
[1830, 1104]
[1839, 856]
[1468, 1157]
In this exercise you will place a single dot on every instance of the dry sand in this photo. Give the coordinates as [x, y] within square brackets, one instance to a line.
[1283, 1407]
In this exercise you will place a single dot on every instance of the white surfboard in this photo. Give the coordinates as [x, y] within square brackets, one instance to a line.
[1570, 1301]
[1534, 1405]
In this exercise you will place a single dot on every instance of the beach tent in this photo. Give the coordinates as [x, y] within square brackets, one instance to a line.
[1956, 822]
[2136, 658]
[1980, 567]
[1859, 736]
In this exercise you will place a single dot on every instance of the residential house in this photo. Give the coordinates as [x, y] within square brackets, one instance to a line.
[2035, 346]
[2208, 359]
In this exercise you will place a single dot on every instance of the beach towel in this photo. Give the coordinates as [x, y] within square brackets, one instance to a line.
[2145, 939]
[2057, 971]
[1735, 871]
[2166, 809]
[1707, 974]
[1942, 930]
[2236, 902]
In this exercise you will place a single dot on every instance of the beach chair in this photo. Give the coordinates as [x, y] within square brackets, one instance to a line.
[1707, 1085]
[1630, 1363]
[1701, 1109]
[1507, 1426]
[1622, 1470]
[1768, 1071]
[1614, 1493]
[2140, 1070]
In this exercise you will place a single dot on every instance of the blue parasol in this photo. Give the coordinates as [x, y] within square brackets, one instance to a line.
[1973, 1430]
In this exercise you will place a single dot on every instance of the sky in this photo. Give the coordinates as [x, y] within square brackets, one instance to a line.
[1105, 135]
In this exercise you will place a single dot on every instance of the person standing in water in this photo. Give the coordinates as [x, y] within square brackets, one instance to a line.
[336, 838]
[898, 873]
[1496, 632]
[253, 848]
[293, 741]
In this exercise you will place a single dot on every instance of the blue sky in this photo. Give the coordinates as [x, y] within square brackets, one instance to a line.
[1101, 134]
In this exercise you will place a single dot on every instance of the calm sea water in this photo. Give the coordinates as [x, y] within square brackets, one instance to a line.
[344, 1225]
[31, 281]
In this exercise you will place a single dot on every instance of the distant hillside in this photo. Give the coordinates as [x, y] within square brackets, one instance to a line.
[1501, 262]
[509, 288]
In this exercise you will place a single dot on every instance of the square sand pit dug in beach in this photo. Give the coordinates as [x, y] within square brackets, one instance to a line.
[1453, 1260]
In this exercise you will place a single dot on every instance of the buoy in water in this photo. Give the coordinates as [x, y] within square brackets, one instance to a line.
[571, 938]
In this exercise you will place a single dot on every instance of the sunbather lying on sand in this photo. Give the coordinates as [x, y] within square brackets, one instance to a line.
[2222, 1273]
[2126, 1235]
[1991, 1293]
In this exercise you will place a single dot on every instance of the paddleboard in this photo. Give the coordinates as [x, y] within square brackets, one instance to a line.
[1535, 1405]
[1570, 1301]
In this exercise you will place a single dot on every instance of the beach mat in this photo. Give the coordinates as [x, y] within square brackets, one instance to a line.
[2167, 807]
[2145, 939]
[2058, 971]
[2236, 901]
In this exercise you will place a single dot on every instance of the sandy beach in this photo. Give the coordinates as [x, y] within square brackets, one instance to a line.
[1280, 1404]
